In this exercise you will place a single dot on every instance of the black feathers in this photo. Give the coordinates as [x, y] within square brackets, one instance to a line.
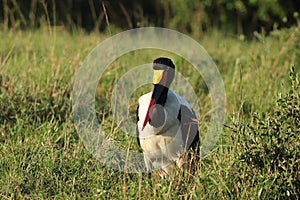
[161, 63]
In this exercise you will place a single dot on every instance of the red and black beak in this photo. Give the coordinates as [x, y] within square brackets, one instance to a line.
[162, 78]
[159, 79]
[152, 102]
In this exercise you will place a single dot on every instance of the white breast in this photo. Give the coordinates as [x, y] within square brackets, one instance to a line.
[161, 144]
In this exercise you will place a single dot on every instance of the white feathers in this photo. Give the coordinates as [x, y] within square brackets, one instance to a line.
[163, 144]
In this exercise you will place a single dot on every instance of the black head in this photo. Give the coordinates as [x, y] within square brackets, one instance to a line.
[164, 71]
[163, 63]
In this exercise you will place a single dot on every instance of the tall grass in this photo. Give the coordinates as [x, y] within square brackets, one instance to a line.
[42, 156]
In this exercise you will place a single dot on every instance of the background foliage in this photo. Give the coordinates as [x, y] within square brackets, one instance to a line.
[233, 16]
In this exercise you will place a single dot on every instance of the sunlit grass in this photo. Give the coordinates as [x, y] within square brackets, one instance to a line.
[43, 157]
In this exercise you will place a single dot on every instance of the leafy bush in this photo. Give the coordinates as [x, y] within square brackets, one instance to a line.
[270, 146]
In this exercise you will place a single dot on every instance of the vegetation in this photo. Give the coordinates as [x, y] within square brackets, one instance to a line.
[269, 146]
[257, 155]
[194, 17]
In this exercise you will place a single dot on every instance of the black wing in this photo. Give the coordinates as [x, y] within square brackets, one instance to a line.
[136, 126]
[189, 128]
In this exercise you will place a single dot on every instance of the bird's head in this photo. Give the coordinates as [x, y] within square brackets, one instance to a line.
[163, 71]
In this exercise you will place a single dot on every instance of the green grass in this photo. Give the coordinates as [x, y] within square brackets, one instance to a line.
[43, 157]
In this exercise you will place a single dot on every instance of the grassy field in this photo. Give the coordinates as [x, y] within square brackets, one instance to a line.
[256, 157]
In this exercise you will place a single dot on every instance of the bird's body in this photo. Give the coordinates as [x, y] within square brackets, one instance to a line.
[163, 144]
[166, 124]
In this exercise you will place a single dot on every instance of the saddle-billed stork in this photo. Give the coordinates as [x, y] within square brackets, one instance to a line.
[167, 127]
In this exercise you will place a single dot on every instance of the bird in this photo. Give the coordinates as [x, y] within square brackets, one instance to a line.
[166, 125]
